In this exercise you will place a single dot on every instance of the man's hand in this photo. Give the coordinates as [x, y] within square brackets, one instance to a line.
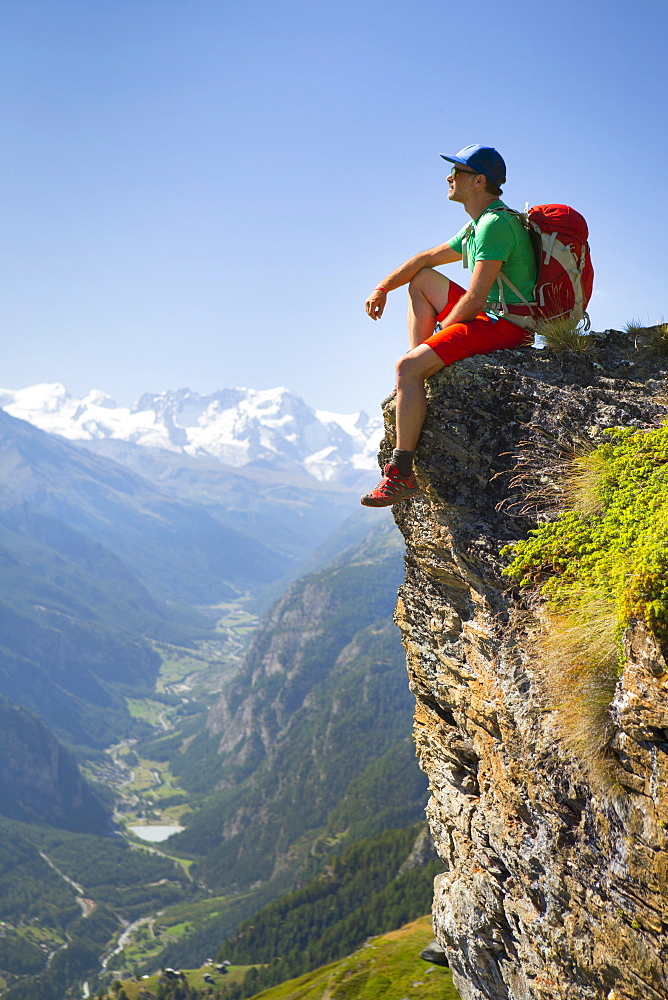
[375, 304]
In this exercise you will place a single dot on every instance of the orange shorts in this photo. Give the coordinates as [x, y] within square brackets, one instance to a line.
[481, 335]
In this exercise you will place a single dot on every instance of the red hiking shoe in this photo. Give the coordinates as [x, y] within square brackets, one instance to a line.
[391, 488]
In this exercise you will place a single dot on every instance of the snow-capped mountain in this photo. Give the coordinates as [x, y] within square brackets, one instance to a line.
[235, 426]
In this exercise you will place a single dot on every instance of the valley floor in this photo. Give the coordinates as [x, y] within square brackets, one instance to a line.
[150, 801]
[189, 680]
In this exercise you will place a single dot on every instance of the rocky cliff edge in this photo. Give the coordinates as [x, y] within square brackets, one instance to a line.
[554, 888]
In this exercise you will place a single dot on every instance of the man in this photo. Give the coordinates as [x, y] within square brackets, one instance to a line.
[447, 323]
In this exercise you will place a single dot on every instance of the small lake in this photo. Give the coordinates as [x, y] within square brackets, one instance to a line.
[156, 833]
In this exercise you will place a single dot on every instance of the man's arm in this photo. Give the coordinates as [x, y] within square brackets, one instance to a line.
[473, 301]
[442, 254]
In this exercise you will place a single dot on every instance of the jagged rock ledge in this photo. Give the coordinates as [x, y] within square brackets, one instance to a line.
[552, 890]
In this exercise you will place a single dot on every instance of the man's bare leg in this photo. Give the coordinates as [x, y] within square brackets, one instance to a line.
[399, 483]
[427, 297]
[412, 370]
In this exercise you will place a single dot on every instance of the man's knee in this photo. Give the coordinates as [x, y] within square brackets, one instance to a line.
[401, 368]
[429, 288]
[423, 278]
[406, 368]
[417, 364]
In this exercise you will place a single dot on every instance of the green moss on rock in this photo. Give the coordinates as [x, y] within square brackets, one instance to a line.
[612, 538]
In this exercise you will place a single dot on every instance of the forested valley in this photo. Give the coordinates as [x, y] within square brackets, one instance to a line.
[224, 673]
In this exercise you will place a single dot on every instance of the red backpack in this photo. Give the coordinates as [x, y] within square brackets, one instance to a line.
[565, 273]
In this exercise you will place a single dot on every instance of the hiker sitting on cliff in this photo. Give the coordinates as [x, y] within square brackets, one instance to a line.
[447, 323]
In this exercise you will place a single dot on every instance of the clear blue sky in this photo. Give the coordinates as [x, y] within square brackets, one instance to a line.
[203, 192]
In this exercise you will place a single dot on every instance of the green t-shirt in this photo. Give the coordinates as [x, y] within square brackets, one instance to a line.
[499, 235]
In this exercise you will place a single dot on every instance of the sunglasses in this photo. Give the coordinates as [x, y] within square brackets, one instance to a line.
[460, 170]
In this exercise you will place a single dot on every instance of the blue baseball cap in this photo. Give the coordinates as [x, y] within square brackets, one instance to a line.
[484, 160]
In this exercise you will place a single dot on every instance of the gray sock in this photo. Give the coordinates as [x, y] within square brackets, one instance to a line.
[403, 461]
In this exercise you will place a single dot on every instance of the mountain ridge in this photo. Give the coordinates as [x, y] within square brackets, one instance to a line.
[236, 427]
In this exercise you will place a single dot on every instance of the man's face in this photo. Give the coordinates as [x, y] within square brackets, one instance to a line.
[460, 182]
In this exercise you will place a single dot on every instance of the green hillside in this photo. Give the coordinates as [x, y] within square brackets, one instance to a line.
[387, 967]
[324, 684]
[378, 884]
[40, 781]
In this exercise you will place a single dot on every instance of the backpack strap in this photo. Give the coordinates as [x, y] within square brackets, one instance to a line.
[468, 235]
[503, 280]
[504, 311]
[548, 247]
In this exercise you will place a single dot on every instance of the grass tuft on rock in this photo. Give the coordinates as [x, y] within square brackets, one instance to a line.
[600, 564]
[634, 327]
[564, 334]
[659, 338]
[578, 656]
[652, 336]
[581, 481]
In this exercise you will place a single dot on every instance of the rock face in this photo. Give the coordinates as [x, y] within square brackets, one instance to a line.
[553, 888]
